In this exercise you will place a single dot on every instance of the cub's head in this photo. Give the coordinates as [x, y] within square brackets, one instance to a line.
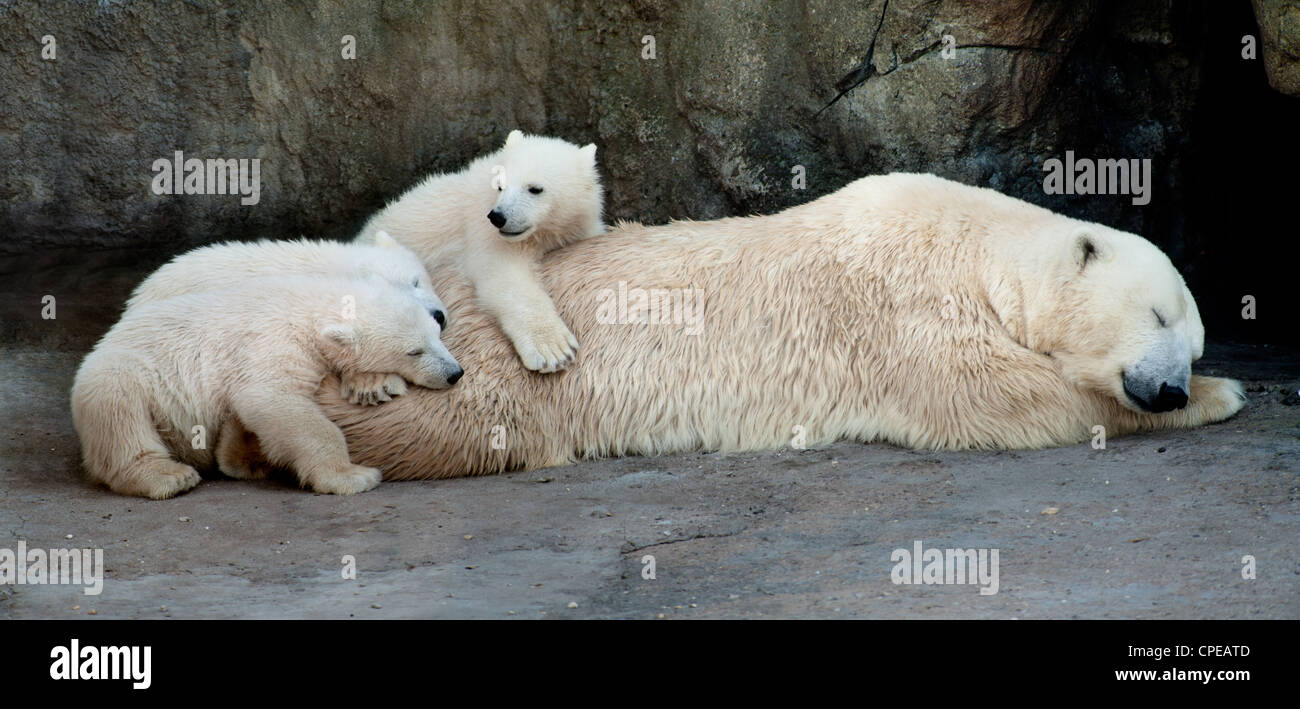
[547, 189]
[1120, 320]
[391, 331]
[392, 262]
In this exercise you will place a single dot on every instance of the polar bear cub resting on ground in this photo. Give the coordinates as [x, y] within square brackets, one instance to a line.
[221, 266]
[174, 379]
[493, 221]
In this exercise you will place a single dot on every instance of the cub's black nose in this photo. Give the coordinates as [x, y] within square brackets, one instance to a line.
[1169, 398]
[456, 376]
[497, 218]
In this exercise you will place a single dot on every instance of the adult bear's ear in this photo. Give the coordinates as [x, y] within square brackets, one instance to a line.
[339, 335]
[514, 137]
[1086, 248]
[588, 151]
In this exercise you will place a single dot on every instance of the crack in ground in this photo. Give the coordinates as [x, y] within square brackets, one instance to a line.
[702, 535]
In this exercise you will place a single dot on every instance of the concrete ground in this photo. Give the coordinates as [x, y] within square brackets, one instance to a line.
[1151, 526]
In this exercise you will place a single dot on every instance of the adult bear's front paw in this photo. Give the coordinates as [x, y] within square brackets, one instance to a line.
[371, 388]
[1216, 398]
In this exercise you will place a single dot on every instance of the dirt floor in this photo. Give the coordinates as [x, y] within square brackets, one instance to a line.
[1152, 526]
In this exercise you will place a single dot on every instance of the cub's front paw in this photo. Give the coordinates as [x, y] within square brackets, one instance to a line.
[158, 479]
[371, 388]
[348, 480]
[548, 349]
[1216, 398]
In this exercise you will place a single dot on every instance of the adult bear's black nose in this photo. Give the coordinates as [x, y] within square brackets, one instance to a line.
[455, 377]
[1169, 398]
[497, 218]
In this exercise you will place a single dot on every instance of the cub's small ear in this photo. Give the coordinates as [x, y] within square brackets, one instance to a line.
[514, 137]
[589, 151]
[339, 334]
[384, 239]
[1086, 248]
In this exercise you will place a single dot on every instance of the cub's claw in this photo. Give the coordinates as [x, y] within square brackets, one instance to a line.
[371, 388]
[548, 351]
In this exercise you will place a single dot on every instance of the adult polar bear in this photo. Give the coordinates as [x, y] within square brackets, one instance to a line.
[903, 308]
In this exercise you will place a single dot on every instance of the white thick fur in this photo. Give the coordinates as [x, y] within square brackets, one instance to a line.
[244, 360]
[222, 266]
[901, 308]
[445, 220]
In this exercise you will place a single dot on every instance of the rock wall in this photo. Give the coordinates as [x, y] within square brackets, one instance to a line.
[701, 109]
[1279, 26]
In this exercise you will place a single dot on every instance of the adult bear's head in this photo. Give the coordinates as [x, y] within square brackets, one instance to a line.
[1114, 312]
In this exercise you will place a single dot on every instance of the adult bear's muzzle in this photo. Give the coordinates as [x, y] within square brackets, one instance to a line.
[1160, 381]
[1167, 396]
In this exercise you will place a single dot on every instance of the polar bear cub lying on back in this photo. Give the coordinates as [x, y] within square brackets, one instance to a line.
[221, 266]
[493, 221]
[173, 378]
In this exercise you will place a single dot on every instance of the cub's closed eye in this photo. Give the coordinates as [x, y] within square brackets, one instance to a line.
[535, 189]
[415, 353]
[1159, 319]
[415, 282]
